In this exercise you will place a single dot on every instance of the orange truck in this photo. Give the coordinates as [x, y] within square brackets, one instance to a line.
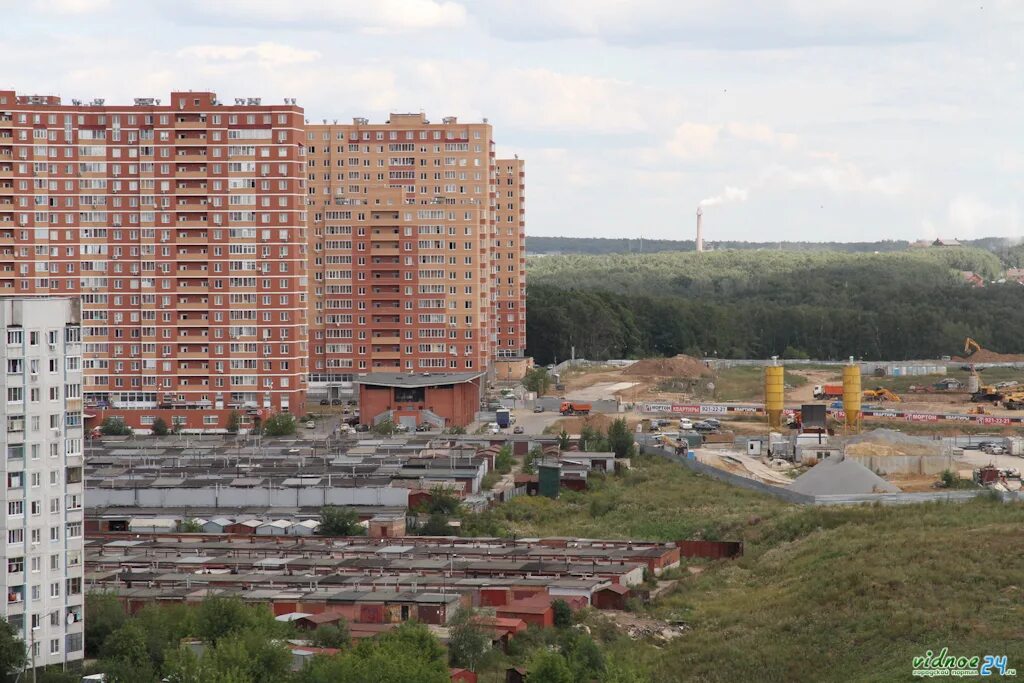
[574, 408]
[828, 391]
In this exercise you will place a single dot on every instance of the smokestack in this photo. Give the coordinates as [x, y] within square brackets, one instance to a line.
[700, 236]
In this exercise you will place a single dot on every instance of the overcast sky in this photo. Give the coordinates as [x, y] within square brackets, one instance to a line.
[814, 120]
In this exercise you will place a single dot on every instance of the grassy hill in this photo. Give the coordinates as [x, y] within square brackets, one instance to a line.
[822, 594]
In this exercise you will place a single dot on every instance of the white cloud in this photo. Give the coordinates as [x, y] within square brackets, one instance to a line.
[969, 216]
[728, 195]
[693, 140]
[760, 133]
[267, 55]
[71, 6]
[369, 16]
[839, 177]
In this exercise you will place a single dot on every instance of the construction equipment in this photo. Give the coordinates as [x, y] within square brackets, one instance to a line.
[978, 410]
[823, 391]
[971, 347]
[574, 408]
[987, 393]
[881, 394]
[1014, 400]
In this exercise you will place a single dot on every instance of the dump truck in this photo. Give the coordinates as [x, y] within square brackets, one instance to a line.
[987, 393]
[1014, 401]
[574, 408]
[828, 391]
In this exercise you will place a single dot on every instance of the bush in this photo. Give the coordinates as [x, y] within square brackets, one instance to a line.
[504, 461]
[160, 427]
[332, 636]
[282, 424]
[338, 521]
[563, 614]
[385, 427]
[115, 426]
[190, 526]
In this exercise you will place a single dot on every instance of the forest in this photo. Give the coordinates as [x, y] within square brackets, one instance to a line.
[754, 304]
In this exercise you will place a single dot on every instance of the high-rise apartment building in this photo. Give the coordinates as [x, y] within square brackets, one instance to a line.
[182, 227]
[508, 260]
[403, 242]
[42, 488]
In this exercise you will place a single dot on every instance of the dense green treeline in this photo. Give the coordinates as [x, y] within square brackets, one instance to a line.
[603, 245]
[828, 305]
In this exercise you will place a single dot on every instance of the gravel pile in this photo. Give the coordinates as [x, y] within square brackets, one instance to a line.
[838, 476]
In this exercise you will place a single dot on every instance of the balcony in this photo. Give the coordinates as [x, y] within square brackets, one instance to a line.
[386, 339]
[382, 251]
[385, 355]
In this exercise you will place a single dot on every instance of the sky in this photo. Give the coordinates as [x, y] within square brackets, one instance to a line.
[817, 120]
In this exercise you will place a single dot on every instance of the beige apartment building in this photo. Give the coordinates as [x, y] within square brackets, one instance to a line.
[409, 267]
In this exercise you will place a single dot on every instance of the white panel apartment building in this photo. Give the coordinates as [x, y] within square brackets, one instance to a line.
[42, 488]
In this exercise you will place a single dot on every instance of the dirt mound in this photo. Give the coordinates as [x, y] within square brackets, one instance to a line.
[677, 366]
[986, 356]
[886, 442]
[574, 425]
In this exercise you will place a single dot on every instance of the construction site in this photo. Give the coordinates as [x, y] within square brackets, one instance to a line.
[826, 428]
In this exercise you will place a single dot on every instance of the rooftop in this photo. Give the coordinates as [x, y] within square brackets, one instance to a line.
[423, 379]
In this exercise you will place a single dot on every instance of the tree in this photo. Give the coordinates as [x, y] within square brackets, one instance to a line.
[106, 615]
[234, 422]
[503, 461]
[12, 649]
[467, 639]
[454, 429]
[537, 380]
[332, 636]
[563, 440]
[159, 427]
[385, 427]
[221, 617]
[339, 521]
[436, 525]
[563, 613]
[536, 453]
[115, 426]
[281, 424]
[548, 667]
[620, 438]
[191, 526]
[408, 653]
[127, 646]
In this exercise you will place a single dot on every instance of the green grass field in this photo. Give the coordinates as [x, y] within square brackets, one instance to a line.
[743, 383]
[821, 594]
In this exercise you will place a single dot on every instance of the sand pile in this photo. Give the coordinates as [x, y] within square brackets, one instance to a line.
[677, 366]
[838, 476]
[885, 442]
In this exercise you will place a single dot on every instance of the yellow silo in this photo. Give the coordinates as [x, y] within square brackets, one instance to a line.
[852, 396]
[774, 394]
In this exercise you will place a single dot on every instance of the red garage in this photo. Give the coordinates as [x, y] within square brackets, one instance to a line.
[443, 399]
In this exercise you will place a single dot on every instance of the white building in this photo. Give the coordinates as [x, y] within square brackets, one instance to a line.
[42, 488]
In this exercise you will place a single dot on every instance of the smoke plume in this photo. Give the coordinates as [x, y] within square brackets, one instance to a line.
[730, 194]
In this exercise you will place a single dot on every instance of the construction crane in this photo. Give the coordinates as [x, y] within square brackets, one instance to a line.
[881, 394]
[971, 347]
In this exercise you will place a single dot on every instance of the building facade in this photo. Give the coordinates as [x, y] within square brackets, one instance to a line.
[182, 227]
[403, 241]
[43, 463]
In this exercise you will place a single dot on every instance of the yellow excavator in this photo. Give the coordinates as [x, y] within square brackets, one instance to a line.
[971, 347]
[881, 394]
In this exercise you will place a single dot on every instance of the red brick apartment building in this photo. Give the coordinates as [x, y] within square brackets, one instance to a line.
[182, 226]
[227, 253]
[416, 249]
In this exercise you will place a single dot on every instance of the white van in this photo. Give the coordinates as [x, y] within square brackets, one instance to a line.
[685, 424]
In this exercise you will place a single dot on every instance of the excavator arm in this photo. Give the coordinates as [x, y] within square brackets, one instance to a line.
[971, 347]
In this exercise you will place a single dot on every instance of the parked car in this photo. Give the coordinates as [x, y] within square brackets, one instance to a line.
[325, 401]
[704, 428]
[982, 445]
[423, 427]
[362, 428]
[337, 402]
[685, 424]
[518, 430]
[400, 427]
[311, 425]
[836, 405]
[493, 428]
[713, 421]
[538, 409]
[995, 449]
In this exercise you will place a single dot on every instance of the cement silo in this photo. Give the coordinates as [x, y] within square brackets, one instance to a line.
[852, 396]
[774, 393]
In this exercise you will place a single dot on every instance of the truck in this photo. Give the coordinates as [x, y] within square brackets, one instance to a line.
[574, 408]
[503, 416]
[828, 391]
